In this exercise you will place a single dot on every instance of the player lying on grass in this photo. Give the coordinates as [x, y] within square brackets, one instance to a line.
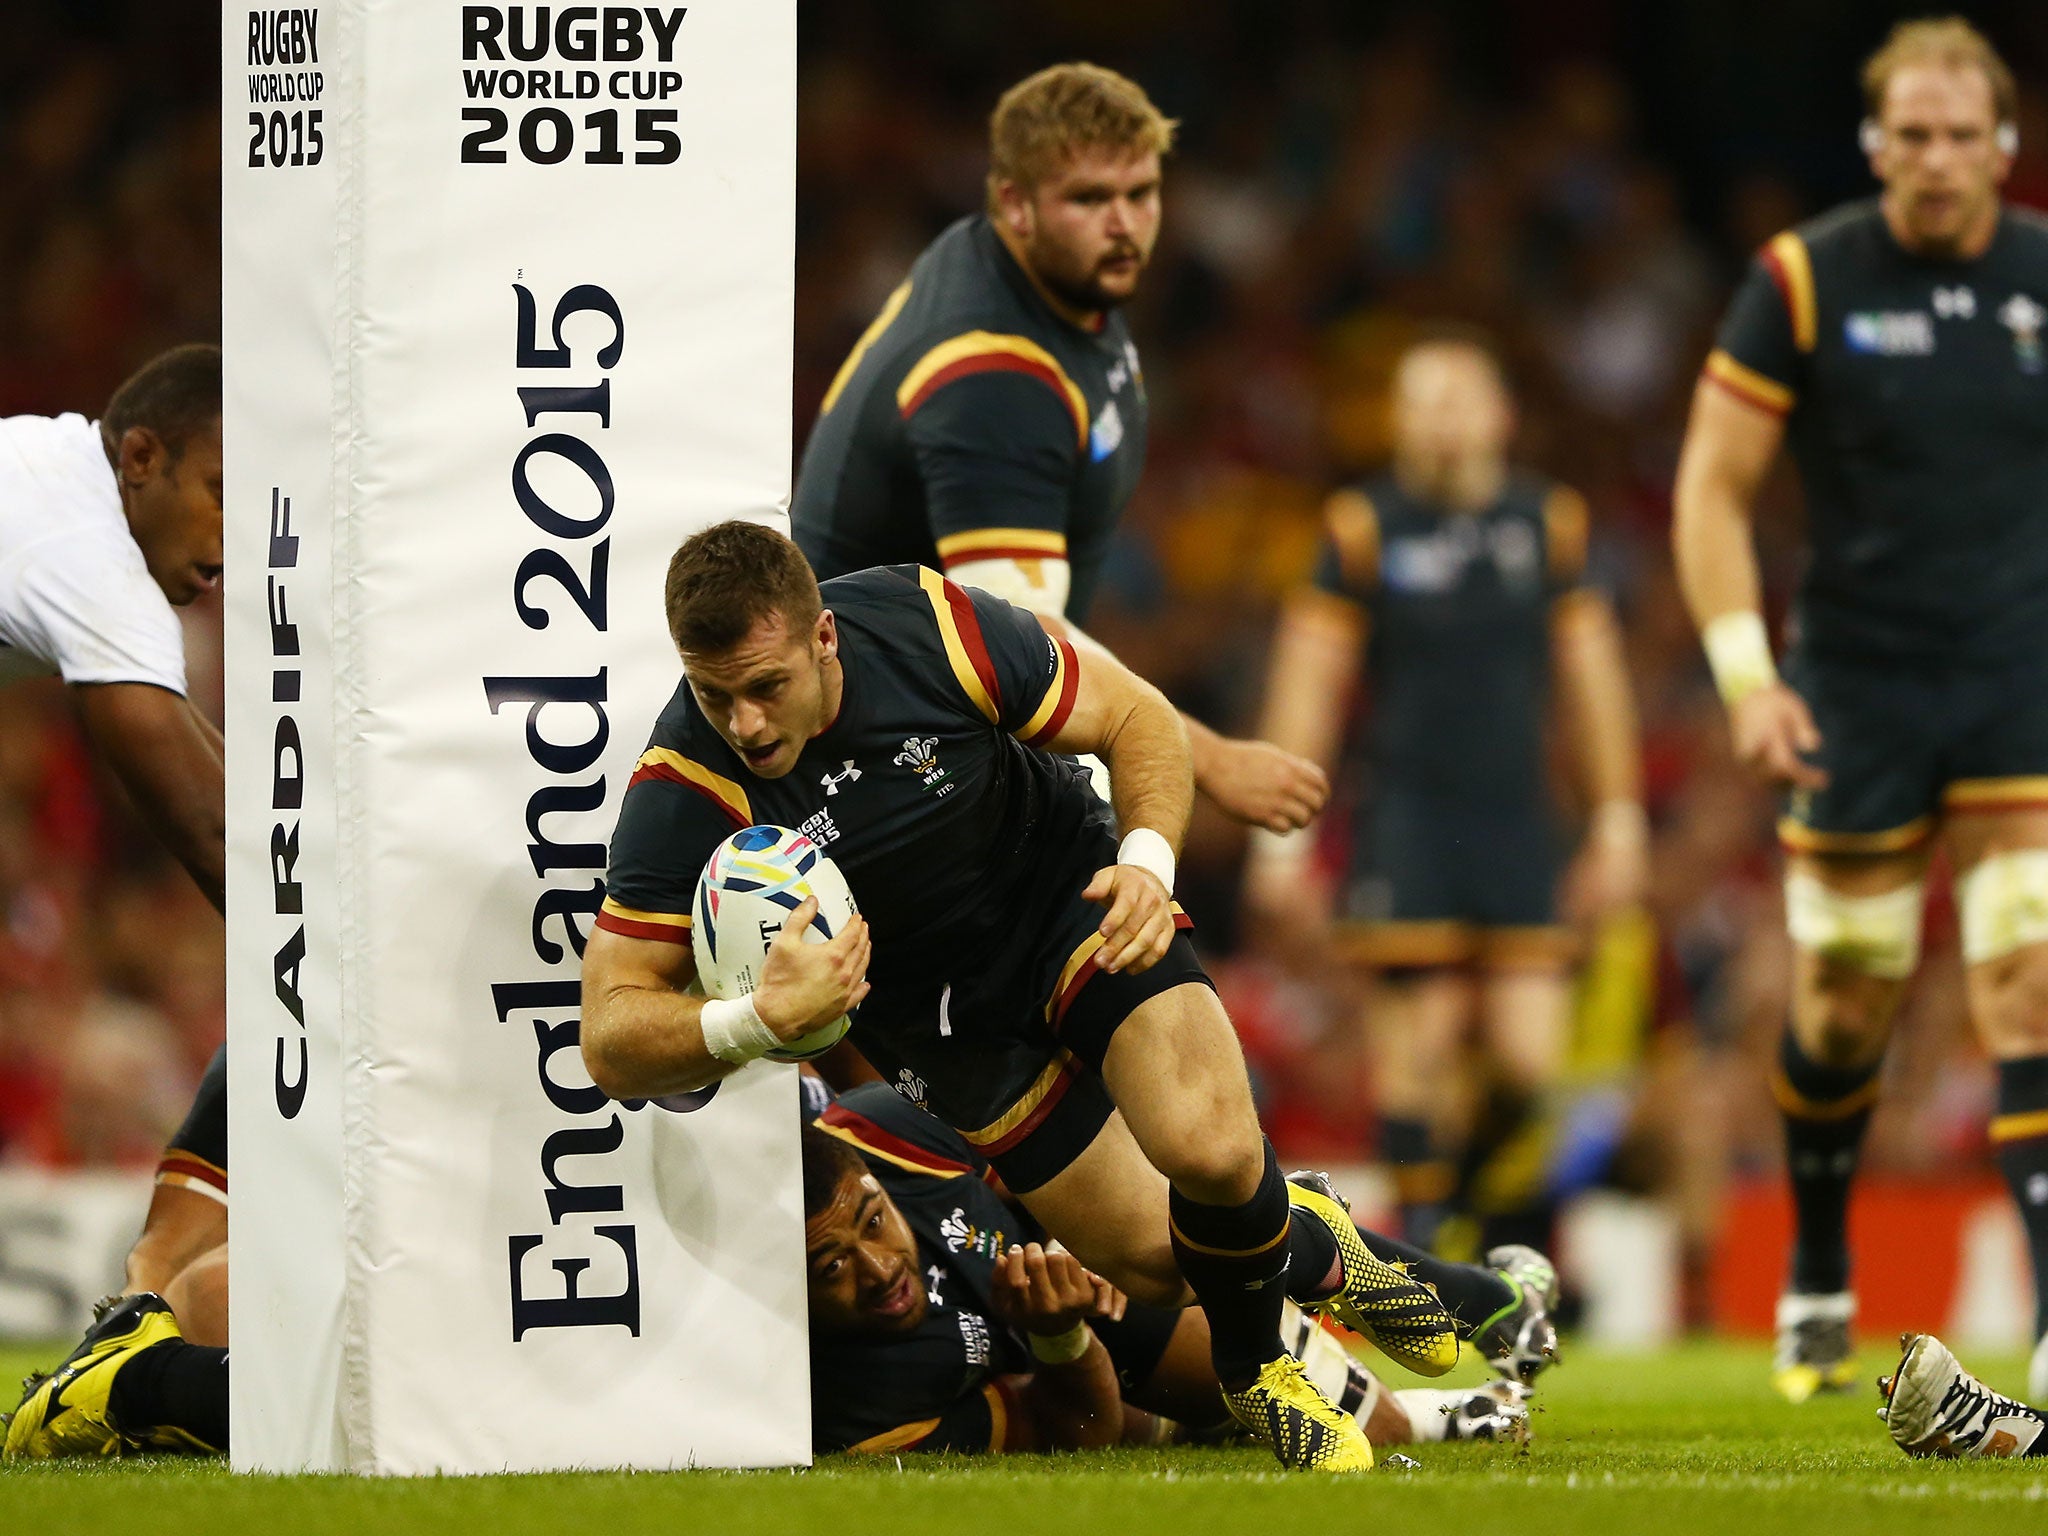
[1933, 1407]
[933, 1327]
[940, 1321]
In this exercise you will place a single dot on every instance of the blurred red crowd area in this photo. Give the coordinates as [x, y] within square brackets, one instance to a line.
[1338, 189]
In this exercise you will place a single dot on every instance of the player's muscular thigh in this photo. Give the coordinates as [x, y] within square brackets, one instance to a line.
[1855, 921]
[1177, 1075]
[2001, 862]
[1108, 1207]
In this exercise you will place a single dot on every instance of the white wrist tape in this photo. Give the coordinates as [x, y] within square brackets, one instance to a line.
[733, 1031]
[1739, 652]
[1149, 851]
[1060, 1348]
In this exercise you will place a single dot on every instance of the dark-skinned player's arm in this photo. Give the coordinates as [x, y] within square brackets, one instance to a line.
[1599, 710]
[1128, 723]
[1730, 443]
[168, 757]
[1072, 1400]
[644, 1035]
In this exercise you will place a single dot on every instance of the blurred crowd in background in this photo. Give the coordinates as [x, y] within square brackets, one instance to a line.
[1583, 178]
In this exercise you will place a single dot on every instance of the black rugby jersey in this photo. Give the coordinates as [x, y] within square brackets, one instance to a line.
[1915, 394]
[972, 422]
[1458, 656]
[934, 1388]
[926, 788]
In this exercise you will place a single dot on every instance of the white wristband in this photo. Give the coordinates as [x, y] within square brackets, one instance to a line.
[1148, 851]
[1060, 1348]
[733, 1031]
[1739, 651]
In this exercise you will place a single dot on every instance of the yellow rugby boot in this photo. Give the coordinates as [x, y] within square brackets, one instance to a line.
[1381, 1301]
[65, 1413]
[1814, 1353]
[1283, 1408]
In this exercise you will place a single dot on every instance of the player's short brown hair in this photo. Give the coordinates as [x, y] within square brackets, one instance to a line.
[1042, 121]
[1945, 40]
[727, 579]
[176, 395]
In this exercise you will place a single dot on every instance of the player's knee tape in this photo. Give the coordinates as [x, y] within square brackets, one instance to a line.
[1878, 935]
[2003, 903]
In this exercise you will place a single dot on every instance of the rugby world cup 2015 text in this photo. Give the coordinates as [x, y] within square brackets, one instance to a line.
[572, 707]
[625, 53]
[287, 798]
[284, 59]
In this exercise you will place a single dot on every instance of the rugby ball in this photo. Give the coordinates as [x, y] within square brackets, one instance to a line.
[750, 885]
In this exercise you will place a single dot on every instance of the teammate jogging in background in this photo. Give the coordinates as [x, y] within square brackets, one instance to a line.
[909, 726]
[1467, 576]
[991, 421]
[105, 527]
[1897, 346]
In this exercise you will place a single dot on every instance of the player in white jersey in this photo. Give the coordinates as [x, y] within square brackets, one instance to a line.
[107, 527]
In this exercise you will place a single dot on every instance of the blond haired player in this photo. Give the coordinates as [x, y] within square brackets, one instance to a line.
[991, 422]
[1895, 346]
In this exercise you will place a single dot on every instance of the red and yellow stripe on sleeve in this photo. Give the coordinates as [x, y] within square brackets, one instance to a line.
[965, 649]
[1001, 544]
[975, 352]
[1791, 268]
[1567, 531]
[1354, 527]
[662, 927]
[1058, 703]
[1746, 384]
[661, 763]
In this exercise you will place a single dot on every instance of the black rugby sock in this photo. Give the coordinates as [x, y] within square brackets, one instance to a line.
[174, 1385]
[1236, 1259]
[1423, 1177]
[2019, 1134]
[1827, 1110]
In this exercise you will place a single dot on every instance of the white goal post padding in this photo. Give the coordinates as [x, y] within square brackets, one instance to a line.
[507, 314]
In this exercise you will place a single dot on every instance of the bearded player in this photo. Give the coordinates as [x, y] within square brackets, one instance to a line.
[918, 731]
[1895, 346]
[991, 421]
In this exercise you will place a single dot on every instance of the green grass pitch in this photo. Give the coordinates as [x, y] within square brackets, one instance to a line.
[1688, 1442]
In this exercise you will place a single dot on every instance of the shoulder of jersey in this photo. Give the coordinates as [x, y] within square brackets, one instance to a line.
[953, 288]
[1839, 227]
[2031, 222]
[877, 584]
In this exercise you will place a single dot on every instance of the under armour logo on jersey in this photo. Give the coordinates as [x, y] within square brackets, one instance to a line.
[1955, 303]
[846, 775]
